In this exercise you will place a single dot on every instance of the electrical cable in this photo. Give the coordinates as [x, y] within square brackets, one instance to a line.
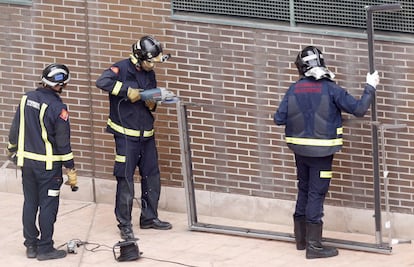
[126, 152]
[76, 243]
[167, 261]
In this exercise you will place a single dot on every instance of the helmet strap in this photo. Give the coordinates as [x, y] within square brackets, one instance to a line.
[136, 61]
[48, 83]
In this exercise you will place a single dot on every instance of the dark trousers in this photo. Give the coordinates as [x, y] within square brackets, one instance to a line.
[313, 184]
[142, 154]
[41, 190]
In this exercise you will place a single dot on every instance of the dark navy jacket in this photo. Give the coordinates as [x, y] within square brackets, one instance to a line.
[125, 117]
[40, 131]
[311, 110]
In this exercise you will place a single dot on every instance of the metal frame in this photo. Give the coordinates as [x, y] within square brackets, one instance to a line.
[374, 125]
[383, 128]
[378, 247]
[195, 225]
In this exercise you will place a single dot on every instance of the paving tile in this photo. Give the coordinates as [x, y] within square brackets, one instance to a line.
[95, 225]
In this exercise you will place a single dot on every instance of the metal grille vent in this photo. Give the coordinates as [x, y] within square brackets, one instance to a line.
[345, 13]
[352, 14]
[276, 10]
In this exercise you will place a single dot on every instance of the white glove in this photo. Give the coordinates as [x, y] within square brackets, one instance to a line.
[373, 79]
[166, 94]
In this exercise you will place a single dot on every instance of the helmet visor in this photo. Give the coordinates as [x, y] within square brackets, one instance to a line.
[59, 76]
[313, 60]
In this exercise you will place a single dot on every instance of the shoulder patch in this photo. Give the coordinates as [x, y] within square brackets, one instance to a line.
[64, 115]
[115, 70]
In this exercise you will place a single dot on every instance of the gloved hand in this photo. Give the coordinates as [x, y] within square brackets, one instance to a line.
[11, 153]
[133, 94]
[72, 179]
[150, 104]
[373, 79]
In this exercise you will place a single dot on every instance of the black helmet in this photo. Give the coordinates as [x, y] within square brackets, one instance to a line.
[308, 58]
[55, 74]
[146, 48]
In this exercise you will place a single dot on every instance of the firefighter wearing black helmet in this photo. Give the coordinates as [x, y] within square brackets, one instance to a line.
[311, 112]
[39, 143]
[132, 124]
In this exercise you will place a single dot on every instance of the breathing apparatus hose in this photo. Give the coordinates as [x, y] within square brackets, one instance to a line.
[126, 154]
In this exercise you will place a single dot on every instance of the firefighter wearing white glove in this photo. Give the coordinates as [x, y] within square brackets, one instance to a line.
[373, 79]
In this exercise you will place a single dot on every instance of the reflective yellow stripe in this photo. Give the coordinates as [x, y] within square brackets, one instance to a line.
[117, 88]
[126, 131]
[339, 130]
[314, 142]
[39, 157]
[326, 174]
[134, 60]
[53, 193]
[120, 158]
[48, 145]
[49, 158]
[20, 146]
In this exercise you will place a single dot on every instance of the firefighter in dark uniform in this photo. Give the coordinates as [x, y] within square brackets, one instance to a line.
[132, 124]
[39, 143]
[311, 112]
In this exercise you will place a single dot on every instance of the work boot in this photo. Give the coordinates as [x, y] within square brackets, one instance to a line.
[156, 224]
[300, 232]
[31, 251]
[51, 255]
[314, 248]
[127, 233]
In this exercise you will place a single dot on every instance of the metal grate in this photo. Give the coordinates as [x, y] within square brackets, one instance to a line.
[345, 13]
[276, 10]
[352, 14]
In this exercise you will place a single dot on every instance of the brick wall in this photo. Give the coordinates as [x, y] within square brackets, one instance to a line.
[236, 75]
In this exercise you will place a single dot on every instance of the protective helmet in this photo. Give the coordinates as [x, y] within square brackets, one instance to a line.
[55, 74]
[308, 58]
[147, 48]
[310, 63]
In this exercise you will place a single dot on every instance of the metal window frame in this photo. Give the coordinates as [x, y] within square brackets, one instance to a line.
[195, 225]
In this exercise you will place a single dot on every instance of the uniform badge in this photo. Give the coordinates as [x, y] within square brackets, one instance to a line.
[64, 115]
[115, 70]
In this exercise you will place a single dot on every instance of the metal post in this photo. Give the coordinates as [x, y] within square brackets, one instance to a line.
[377, 192]
[186, 162]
